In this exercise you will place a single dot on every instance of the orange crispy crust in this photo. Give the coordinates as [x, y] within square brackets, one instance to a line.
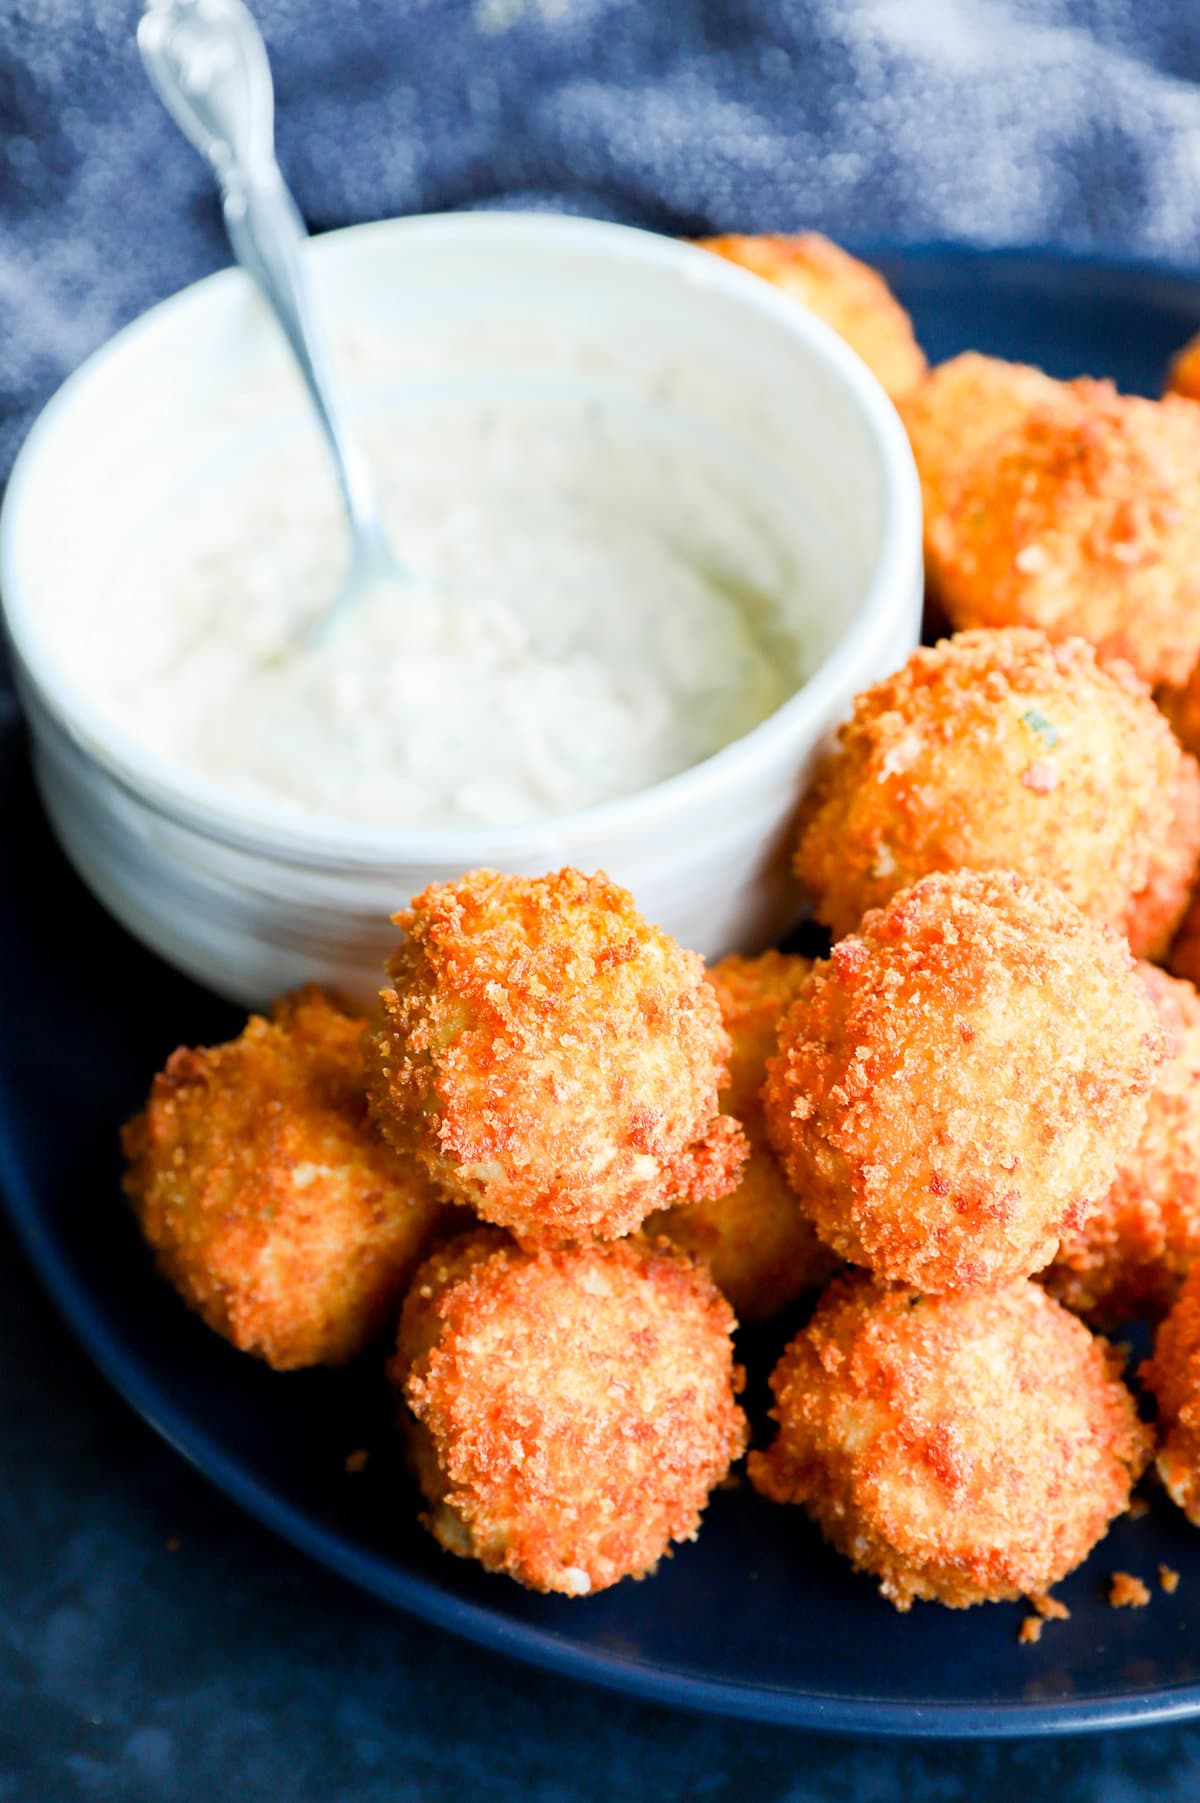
[573, 1407]
[269, 1202]
[964, 1449]
[757, 1242]
[1000, 750]
[1183, 377]
[1173, 1378]
[1081, 518]
[958, 411]
[552, 1059]
[1159, 908]
[1129, 1259]
[958, 1085]
[848, 295]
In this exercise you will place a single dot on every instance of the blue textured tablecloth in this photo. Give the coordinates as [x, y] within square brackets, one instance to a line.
[154, 1645]
[964, 119]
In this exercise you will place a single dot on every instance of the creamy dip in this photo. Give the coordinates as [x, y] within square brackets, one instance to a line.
[597, 606]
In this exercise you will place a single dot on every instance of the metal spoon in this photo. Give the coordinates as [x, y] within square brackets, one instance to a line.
[209, 64]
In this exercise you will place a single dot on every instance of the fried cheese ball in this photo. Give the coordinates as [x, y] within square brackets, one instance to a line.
[961, 407]
[956, 1087]
[571, 1409]
[848, 295]
[1082, 518]
[1173, 1378]
[1001, 750]
[962, 1449]
[757, 1241]
[269, 1201]
[551, 1059]
[1129, 1258]
[1183, 377]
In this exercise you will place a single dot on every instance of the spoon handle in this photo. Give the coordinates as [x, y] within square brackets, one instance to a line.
[209, 64]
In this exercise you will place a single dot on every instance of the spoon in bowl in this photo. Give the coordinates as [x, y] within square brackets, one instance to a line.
[208, 62]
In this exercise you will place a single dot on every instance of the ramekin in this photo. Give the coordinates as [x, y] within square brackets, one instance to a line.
[253, 900]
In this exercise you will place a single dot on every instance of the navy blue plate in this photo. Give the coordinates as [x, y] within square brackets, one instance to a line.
[757, 1618]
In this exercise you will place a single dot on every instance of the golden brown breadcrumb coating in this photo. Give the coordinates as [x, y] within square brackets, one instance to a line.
[757, 1241]
[957, 412]
[1082, 518]
[1129, 1258]
[1173, 1378]
[551, 1058]
[1158, 910]
[1183, 377]
[964, 1449]
[958, 1084]
[999, 750]
[848, 295]
[271, 1204]
[573, 1407]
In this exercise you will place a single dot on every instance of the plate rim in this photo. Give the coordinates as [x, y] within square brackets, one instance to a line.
[424, 1598]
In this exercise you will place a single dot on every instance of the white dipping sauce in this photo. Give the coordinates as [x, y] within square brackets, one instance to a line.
[599, 607]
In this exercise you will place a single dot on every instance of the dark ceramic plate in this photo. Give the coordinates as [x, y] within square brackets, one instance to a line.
[757, 1618]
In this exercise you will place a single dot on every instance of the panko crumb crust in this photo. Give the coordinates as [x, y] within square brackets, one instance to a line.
[961, 408]
[847, 294]
[269, 1201]
[1082, 517]
[1130, 1257]
[962, 1449]
[958, 1084]
[571, 1408]
[757, 1241]
[552, 1059]
[1173, 1378]
[1001, 750]
[1157, 912]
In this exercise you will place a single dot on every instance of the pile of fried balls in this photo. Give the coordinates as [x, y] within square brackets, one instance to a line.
[563, 1160]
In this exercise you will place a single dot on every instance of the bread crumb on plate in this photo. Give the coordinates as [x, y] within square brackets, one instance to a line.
[1049, 1608]
[1127, 1592]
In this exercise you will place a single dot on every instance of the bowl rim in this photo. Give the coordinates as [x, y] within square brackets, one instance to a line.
[220, 814]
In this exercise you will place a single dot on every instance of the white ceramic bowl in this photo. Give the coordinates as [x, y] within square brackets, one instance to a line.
[252, 900]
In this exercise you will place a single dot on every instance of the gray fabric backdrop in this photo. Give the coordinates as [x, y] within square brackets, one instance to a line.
[995, 121]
